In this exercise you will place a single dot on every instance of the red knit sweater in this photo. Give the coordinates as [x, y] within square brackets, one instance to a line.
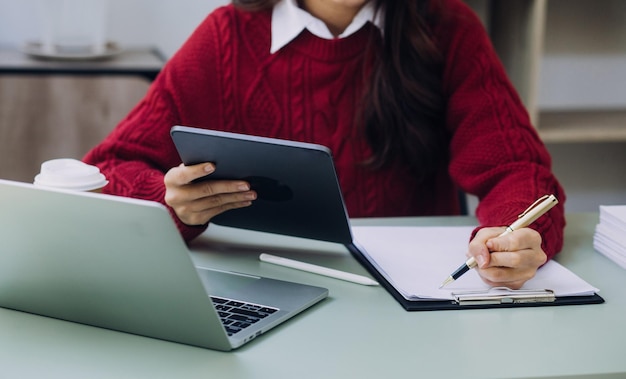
[224, 78]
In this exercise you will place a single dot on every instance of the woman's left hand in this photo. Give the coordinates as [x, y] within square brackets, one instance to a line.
[509, 260]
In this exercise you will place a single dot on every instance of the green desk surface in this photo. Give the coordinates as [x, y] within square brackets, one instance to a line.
[358, 332]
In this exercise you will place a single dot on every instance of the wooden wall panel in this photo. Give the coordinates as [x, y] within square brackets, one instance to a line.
[43, 118]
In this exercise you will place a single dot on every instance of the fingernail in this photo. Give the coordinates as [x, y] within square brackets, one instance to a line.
[480, 259]
[209, 168]
[243, 187]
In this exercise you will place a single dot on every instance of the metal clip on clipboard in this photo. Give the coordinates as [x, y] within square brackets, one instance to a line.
[503, 295]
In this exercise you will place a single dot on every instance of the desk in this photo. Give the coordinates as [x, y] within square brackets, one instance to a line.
[358, 332]
[142, 62]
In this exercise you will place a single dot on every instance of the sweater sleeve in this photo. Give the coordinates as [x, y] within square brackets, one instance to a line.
[495, 152]
[136, 155]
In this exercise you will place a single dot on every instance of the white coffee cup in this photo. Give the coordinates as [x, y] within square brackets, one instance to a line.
[70, 174]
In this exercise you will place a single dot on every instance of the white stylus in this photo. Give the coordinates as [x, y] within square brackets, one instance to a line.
[308, 267]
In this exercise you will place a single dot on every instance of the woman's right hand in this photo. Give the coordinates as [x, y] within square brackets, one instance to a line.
[197, 203]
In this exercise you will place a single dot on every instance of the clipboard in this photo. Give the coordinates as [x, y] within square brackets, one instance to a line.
[475, 299]
[504, 295]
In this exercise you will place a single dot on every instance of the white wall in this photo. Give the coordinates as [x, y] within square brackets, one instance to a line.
[161, 23]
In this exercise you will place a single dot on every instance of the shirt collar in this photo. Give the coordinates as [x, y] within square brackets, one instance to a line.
[289, 20]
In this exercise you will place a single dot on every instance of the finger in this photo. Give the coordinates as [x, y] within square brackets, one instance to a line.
[520, 260]
[521, 248]
[501, 277]
[218, 191]
[506, 276]
[201, 217]
[506, 270]
[183, 175]
[506, 259]
[479, 252]
[222, 193]
[200, 197]
[215, 205]
[478, 245]
[520, 239]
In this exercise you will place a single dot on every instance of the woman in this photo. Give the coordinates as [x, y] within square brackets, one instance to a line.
[409, 96]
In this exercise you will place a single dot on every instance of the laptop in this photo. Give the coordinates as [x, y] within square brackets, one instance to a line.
[121, 264]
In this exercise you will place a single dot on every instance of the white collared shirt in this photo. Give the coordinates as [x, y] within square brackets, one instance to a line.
[289, 20]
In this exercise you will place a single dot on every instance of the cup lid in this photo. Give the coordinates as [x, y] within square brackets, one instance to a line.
[70, 174]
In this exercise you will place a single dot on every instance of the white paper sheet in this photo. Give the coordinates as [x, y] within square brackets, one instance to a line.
[416, 260]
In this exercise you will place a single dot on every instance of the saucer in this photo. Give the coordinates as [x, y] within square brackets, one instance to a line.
[35, 50]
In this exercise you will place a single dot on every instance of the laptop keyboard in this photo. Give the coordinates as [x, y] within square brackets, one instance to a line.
[238, 315]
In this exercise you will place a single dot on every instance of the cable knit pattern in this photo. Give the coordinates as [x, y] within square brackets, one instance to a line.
[224, 78]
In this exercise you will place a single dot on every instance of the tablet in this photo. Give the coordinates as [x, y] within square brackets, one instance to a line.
[297, 186]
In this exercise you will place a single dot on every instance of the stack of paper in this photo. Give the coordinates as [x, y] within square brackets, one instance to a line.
[610, 236]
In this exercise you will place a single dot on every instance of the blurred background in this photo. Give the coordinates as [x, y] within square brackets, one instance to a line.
[581, 76]
[161, 23]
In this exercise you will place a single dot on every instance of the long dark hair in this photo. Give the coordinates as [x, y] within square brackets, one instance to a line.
[403, 106]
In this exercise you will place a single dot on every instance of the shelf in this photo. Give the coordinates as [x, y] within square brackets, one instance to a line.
[143, 62]
[582, 64]
[517, 30]
[565, 59]
[582, 126]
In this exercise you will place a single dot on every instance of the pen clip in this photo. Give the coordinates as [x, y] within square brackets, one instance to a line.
[533, 205]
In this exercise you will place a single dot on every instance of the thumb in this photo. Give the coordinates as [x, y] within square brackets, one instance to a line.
[183, 175]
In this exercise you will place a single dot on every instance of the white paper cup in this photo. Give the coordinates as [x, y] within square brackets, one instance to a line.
[70, 174]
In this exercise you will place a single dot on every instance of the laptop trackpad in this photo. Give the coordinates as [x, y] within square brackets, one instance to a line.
[259, 290]
[223, 283]
[247, 288]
